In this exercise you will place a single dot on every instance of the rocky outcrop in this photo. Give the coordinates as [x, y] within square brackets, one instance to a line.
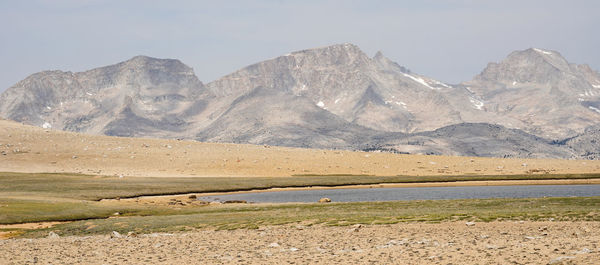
[540, 92]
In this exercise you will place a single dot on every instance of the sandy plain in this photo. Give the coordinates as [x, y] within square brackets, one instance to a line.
[33, 149]
[412, 243]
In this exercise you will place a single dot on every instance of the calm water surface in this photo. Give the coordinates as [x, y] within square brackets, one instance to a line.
[425, 193]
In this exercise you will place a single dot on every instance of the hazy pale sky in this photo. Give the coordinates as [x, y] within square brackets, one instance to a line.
[451, 40]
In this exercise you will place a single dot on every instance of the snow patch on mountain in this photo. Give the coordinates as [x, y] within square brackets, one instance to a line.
[420, 81]
[542, 51]
[478, 104]
[438, 83]
[594, 109]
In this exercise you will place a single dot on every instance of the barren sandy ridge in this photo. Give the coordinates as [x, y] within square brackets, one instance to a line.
[33, 149]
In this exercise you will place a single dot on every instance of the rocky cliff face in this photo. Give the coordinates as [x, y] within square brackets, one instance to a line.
[532, 104]
[371, 92]
[544, 93]
[139, 97]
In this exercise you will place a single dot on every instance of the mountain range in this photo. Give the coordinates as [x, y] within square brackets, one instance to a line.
[533, 103]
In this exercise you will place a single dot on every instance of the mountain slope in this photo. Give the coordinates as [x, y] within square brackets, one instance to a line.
[476, 139]
[587, 144]
[547, 95]
[139, 97]
[275, 117]
[534, 103]
[372, 92]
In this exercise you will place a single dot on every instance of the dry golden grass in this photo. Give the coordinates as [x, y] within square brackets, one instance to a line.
[32, 149]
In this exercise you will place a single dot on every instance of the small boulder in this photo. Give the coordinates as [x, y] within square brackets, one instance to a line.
[274, 245]
[324, 200]
[53, 235]
[115, 234]
[193, 197]
[355, 228]
[470, 223]
[560, 260]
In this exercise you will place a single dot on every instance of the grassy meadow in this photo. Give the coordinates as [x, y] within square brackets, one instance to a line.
[28, 197]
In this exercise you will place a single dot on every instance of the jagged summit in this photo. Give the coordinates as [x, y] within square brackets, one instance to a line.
[532, 65]
[541, 89]
[345, 47]
[328, 97]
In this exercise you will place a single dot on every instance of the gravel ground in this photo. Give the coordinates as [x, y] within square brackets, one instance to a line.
[414, 243]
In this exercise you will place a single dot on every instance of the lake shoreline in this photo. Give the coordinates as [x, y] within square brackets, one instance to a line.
[382, 185]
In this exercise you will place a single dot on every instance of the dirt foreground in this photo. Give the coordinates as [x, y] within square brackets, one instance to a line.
[414, 243]
[32, 149]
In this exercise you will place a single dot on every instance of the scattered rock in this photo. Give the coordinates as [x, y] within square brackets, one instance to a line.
[324, 200]
[116, 213]
[193, 196]
[470, 223]
[53, 235]
[215, 203]
[74, 157]
[274, 245]
[115, 234]
[583, 251]
[355, 228]
[131, 234]
[560, 259]
[293, 249]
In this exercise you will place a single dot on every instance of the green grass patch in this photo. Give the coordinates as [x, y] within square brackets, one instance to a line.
[28, 197]
[252, 216]
[88, 187]
[14, 211]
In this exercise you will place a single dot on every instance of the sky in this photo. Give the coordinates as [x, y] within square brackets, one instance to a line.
[450, 40]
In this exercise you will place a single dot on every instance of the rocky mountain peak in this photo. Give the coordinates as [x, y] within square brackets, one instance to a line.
[386, 64]
[328, 97]
[532, 65]
[347, 48]
[146, 63]
[345, 55]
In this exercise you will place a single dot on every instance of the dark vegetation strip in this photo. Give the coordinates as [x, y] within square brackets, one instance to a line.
[89, 187]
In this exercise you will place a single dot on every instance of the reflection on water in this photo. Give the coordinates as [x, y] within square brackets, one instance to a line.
[425, 193]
